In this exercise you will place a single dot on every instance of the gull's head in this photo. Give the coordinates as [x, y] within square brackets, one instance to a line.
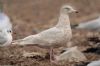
[68, 9]
[5, 30]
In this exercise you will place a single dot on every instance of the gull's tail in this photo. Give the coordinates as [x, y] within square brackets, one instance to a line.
[30, 40]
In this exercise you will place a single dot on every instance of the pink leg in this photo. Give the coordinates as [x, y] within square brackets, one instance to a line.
[52, 56]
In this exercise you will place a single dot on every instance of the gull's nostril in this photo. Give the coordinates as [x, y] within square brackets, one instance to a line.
[76, 12]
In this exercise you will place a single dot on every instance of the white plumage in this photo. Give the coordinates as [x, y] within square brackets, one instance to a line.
[5, 30]
[56, 36]
[90, 25]
[94, 63]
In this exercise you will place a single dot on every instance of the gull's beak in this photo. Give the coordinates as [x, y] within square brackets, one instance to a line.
[75, 11]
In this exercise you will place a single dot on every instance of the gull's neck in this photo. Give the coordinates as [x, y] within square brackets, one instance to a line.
[63, 21]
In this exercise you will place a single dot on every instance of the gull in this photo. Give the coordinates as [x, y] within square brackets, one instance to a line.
[94, 63]
[56, 36]
[5, 30]
[89, 25]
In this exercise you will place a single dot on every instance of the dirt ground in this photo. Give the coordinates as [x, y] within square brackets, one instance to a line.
[13, 55]
[32, 16]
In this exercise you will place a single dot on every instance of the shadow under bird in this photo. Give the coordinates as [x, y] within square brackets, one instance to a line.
[56, 36]
[5, 30]
[93, 25]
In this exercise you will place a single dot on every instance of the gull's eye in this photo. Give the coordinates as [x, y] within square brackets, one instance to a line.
[67, 8]
[9, 31]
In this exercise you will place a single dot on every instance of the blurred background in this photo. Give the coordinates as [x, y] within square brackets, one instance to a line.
[32, 16]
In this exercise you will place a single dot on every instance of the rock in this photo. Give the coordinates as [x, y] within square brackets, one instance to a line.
[71, 55]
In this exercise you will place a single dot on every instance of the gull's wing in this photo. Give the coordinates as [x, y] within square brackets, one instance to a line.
[47, 36]
[52, 34]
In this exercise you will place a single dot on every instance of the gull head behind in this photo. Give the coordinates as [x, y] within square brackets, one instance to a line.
[5, 30]
[66, 9]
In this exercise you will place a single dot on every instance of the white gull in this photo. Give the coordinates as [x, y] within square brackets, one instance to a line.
[56, 36]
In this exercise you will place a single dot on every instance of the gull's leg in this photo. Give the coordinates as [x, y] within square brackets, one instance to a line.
[52, 56]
